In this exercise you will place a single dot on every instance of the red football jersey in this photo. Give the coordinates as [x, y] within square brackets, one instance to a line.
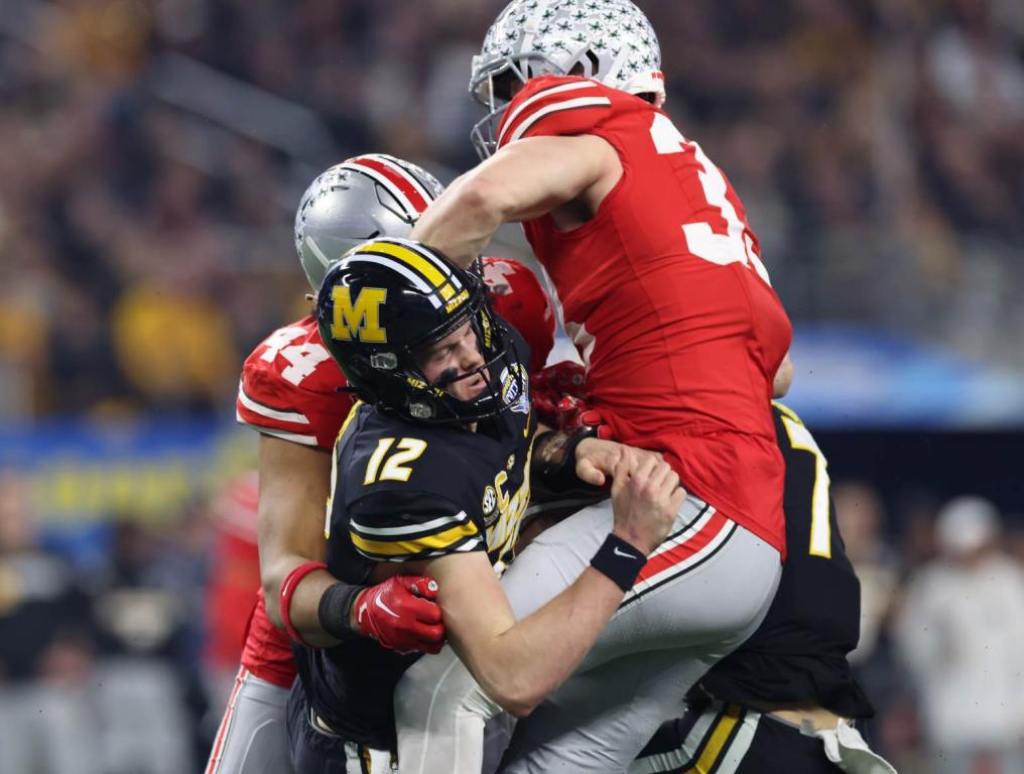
[667, 300]
[267, 651]
[291, 388]
[519, 298]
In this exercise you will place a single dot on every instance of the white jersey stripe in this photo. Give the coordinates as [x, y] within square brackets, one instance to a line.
[469, 545]
[408, 529]
[575, 86]
[579, 102]
[265, 411]
[305, 440]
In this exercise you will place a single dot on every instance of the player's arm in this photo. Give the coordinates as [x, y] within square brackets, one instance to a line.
[522, 181]
[783, 379]
[519, 663]
[294, 484]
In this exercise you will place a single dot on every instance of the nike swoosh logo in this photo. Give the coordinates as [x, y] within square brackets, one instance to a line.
[385, 608]
[626, 554]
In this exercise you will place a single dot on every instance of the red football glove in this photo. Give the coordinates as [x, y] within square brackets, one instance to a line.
[574, 413]
[551, 384]
[558, 395]
[401, 614]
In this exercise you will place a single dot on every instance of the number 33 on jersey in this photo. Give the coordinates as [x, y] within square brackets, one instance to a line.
[666, 296]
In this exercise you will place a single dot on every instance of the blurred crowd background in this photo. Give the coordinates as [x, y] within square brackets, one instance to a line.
[153, 155]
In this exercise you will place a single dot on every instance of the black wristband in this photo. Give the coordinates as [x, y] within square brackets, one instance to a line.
[554, 458]
[335, 610]
[618, 560]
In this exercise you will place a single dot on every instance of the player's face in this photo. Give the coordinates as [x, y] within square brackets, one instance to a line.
[451, 359]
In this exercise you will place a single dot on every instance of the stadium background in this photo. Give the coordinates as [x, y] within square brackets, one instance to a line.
[153, 155]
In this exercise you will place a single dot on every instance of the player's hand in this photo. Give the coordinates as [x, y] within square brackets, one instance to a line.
[596, 459]
[550, 385]
[559, 398]
[401, 614]
[646, 497]
[575, 413]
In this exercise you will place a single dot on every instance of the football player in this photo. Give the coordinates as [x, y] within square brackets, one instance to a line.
[292, 392]
[431, 475]
[783, 700]
[666, 298]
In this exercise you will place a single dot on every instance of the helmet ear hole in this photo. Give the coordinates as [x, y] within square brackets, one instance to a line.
[502, 83]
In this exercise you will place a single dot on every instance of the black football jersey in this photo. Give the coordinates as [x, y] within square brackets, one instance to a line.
[798, 654]
[404, 491]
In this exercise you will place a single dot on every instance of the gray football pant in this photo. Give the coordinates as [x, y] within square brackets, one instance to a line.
[668, 632]
[253, 734]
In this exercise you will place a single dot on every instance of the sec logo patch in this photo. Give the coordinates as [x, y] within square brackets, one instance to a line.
[489, 504]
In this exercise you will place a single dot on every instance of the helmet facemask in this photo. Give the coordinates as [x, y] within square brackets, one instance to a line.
[492, 86]
[503, 375]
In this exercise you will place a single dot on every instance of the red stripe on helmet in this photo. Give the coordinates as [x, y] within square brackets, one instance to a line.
[398, 176]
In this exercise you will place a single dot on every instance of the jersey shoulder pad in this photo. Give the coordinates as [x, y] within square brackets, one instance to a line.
[519, 298]
[793, 435]
[291, 388]
[396, 526]
[555, 105]
[781, 410]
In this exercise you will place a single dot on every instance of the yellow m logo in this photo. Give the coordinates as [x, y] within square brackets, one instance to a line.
[359, 320]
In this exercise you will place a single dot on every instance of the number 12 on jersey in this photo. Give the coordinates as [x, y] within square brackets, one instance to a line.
[383, 467]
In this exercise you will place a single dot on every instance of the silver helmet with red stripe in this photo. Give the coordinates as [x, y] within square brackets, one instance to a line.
[361, 198]
[610, 41]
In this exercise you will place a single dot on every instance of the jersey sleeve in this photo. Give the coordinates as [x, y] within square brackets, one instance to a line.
[402, 526]
[555, 105]
[293, 396]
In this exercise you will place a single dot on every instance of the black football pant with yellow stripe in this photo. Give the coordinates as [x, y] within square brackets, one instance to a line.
[728, 739]
[315, 749]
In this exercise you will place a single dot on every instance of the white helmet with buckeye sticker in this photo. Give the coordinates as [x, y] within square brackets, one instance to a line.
[610, 41]
[361, 198]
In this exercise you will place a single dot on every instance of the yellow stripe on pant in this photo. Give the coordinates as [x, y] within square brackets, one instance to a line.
[717, 739]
